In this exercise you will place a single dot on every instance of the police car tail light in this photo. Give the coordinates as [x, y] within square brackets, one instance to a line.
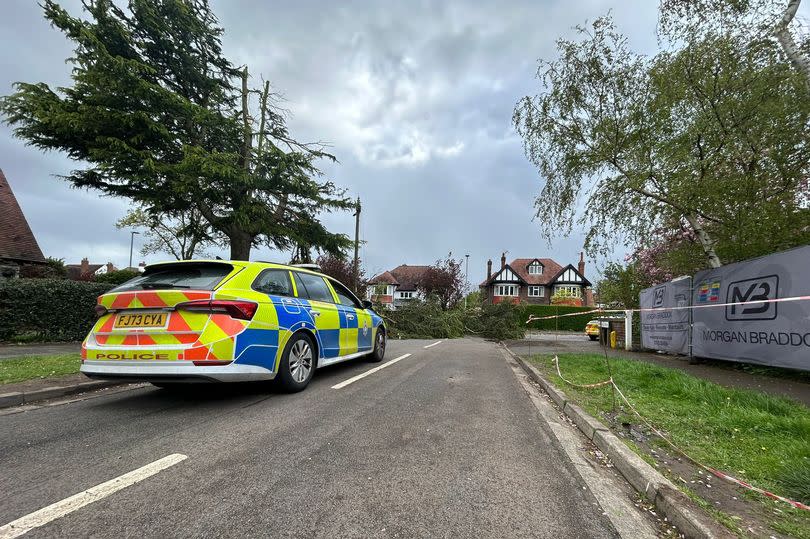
[243, 310]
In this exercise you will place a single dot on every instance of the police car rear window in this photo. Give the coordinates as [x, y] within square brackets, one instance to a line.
[178, 276]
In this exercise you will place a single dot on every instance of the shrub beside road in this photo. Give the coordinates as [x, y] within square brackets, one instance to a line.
[755, 437]
[41, 310]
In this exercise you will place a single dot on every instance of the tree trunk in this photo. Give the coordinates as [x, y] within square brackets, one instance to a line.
[241, 242]
[705, 241]
[794, 53]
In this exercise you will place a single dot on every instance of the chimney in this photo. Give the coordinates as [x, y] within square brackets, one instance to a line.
[503, 260]
[85, 266]
[110, 267]
[489, 269]
[581, 266]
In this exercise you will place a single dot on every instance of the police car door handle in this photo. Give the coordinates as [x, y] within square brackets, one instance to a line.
[349, 316]
[313, 312]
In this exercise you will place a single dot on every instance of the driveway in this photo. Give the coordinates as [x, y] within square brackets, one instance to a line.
[443, 443]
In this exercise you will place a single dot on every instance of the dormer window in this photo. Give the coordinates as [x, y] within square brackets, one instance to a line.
[535, 268]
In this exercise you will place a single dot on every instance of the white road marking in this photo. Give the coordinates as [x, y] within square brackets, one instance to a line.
[45, 515]
[370, 371]
[431, 345]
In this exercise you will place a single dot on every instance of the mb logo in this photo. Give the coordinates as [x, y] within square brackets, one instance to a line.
[752, 290]
[658, 296]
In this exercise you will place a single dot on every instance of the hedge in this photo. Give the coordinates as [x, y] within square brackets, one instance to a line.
[568, 323]
[48, 309]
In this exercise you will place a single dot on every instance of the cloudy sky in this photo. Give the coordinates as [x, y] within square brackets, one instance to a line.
[415, 97]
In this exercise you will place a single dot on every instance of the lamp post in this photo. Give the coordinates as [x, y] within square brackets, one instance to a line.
[131, 245]
[466, 280]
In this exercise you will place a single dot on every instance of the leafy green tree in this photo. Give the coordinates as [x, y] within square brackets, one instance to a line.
[159, 115]
[752, 19]
[620, 286]
[183, 234]
[712, 136]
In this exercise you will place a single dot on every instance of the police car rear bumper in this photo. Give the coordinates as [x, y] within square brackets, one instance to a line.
[173, 371]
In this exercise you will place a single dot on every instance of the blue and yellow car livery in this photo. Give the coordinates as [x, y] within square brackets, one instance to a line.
[219, 320]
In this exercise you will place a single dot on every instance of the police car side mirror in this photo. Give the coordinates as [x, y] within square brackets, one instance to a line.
[367, 304]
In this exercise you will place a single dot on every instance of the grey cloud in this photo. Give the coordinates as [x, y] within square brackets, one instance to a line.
[415, 97]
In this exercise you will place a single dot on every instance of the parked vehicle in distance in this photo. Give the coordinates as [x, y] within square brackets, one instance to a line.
[592, 329]
[228, 321]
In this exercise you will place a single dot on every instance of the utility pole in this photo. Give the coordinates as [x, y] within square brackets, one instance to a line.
[131, 245]
[466, 280]
[356, 245]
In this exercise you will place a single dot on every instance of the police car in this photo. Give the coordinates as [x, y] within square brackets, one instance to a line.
[229, 321]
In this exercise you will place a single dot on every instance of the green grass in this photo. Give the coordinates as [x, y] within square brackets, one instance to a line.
[31, 367]
[753, 436]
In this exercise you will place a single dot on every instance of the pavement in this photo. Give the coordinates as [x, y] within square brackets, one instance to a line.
[8, 351]
[719, 372]
[444, 443]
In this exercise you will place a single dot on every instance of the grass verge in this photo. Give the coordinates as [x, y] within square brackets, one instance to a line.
[25, 368]
[756, 437]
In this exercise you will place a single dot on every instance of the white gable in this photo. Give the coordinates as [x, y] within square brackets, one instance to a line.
[506, 274]
[570, 276]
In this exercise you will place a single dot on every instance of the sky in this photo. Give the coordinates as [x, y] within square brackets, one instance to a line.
[415, 99]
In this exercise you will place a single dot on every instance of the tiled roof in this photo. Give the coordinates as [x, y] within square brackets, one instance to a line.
[521, 267]
[405, 277]
[384, 278]
[408, 276]
[17, 242]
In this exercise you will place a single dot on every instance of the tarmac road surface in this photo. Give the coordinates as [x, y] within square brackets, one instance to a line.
[443, 443]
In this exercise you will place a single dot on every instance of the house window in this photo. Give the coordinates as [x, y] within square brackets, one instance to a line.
[568, 291]
[536, 292]
[406, 295]
[506, 290]
[535, 268]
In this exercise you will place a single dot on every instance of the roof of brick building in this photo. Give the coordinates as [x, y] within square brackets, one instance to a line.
[17, 242]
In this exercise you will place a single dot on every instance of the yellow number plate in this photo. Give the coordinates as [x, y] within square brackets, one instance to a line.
[141, 320]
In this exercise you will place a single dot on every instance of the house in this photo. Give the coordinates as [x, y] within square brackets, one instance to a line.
[86, 271]
[396, 287]
[18, 246]
[535, 281]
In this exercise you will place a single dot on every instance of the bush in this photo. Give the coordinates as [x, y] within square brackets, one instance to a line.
[49, 309]
[116, 277]
[568, 323]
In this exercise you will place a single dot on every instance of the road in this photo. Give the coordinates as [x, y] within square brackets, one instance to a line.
[443, 443]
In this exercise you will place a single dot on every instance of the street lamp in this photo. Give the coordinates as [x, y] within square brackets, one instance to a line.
[131, 245]
[466, 279]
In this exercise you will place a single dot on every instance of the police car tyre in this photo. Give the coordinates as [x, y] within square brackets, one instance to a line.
[593, 337]
[378, 353]
[297, 363]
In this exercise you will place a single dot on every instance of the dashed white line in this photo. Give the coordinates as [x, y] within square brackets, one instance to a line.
[47, 514]
[370, 371]
[432, 345]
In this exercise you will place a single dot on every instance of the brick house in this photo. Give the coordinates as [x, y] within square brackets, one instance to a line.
[86, 271]
[535, 281]
[396, 287]
[18, 246]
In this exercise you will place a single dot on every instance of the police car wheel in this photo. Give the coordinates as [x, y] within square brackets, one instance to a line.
[592, 337]
[379, 347]
[297, 363]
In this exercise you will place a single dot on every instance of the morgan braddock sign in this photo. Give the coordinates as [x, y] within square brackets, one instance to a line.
[764, 332]
[666, 330]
